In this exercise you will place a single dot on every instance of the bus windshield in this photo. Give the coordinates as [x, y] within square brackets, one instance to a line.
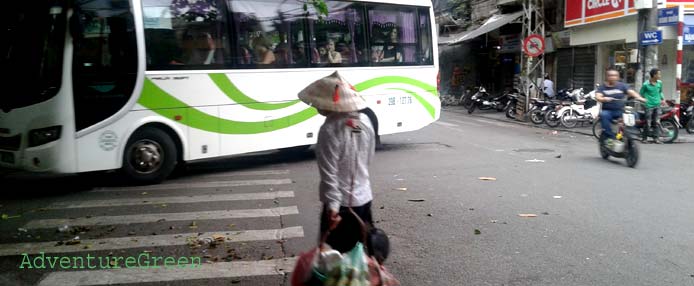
[33, 36]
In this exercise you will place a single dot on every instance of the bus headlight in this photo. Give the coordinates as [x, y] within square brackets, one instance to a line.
[44, 135]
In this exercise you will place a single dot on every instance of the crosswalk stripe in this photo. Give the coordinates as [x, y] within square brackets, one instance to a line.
[446, 124]
[245, 173]
[171, 200]
[147, 241]
[155, 217]
[202, 185]
[139, 275]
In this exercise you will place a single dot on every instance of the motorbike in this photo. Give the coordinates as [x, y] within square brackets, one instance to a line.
[552, 114]
[581, 110]
[537, 110]
[512, 103]
[625, 145]
[687, 116]
[669, 125]
[485, 101]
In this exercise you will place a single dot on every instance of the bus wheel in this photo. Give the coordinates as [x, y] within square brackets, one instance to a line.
[149, 157]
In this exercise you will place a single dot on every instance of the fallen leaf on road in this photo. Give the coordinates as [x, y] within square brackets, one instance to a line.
[430, 215]
[218, 237]
[477, 232]
[401, 189]
[487, 178]
[73, 241]
[193, 225]
[231, 225]
[527, 215]
[144, 193]
[416, 200]
[6, 216]
[558, 156]
[494, 221]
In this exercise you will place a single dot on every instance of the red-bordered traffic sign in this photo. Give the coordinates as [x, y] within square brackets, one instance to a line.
[534, 45]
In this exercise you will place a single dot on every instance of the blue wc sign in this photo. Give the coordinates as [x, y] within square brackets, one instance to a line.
[651, 38]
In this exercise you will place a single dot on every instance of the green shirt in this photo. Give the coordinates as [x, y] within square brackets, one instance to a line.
[653, 93]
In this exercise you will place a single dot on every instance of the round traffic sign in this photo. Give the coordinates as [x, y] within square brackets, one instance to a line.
[534, 45]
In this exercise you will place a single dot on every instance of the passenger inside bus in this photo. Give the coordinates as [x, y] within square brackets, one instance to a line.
[333, 56]
[201, 49]
[263, 51]
[299, 53]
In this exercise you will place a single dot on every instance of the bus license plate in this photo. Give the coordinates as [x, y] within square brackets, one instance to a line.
[629, 119]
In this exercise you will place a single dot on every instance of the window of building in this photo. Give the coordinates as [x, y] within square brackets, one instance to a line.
[338, 39]
[393, 35]
[182, 34]
[269, 34]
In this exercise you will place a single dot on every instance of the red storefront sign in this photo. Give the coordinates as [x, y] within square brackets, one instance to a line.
[580, 12]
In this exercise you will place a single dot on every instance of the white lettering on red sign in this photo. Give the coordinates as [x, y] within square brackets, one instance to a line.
[595, 4]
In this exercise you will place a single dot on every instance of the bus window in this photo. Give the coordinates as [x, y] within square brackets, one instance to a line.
[269, 34]
[105, 63]
[393, 35]
[338, 39]
[424, 51]
[185, 35]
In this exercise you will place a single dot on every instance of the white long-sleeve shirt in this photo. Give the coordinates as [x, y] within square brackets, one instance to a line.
[549, 87]
[337, 148]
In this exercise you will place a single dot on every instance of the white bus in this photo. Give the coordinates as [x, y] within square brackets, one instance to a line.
[142, 85]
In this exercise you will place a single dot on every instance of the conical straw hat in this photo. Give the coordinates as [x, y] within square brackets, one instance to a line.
[333, 93]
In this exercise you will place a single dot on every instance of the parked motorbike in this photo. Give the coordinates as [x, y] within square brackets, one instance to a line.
[512, 103]
[480, 94]
[669, 125]
[485, 101]
[552, 115]
[687, 116]
[585, 109]
[625, 145]
[537, 110]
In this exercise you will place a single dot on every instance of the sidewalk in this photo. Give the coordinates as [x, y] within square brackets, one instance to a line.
[587, 129]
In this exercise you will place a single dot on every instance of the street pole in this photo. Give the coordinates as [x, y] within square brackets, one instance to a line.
[648, 55]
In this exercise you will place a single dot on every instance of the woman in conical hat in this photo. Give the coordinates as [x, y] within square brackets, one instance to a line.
[345, 147]
[332, 94]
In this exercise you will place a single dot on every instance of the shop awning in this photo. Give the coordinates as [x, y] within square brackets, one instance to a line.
[493, 23]
[446, 40]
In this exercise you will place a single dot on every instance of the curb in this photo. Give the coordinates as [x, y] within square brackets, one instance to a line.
[538, 126]
[679, 140]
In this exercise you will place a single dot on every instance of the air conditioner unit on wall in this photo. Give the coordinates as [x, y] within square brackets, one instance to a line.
[643, 4]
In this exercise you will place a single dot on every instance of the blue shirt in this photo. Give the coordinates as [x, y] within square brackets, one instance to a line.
[618, 92]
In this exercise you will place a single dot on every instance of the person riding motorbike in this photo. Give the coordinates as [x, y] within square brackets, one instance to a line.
[612, 95]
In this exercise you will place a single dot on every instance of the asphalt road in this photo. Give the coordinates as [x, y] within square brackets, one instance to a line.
[597, 222]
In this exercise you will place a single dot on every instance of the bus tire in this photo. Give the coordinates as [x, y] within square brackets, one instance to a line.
[149, 157]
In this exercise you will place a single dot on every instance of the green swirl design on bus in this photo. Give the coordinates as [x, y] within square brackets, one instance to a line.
[164, 104]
